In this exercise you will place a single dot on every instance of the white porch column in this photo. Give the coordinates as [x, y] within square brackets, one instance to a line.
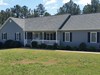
[25, 38]
[56, 37]
[42, 37]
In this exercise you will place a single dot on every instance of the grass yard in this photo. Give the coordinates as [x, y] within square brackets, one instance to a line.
[43, 62]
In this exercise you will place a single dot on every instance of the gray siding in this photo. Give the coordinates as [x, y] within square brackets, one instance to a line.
[11, 28]
[79, 37]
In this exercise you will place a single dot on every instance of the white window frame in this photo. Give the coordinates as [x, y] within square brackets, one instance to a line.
[91, 37]
[65, 36]
[49, 35]
[4, 36]
[17, 37]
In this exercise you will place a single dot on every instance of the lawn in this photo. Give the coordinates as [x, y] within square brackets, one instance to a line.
[46, 62]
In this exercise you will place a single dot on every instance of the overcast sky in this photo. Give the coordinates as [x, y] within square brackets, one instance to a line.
[50, 5]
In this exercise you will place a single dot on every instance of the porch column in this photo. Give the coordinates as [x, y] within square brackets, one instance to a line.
[56, 37]
[42, 37]
[25, 38]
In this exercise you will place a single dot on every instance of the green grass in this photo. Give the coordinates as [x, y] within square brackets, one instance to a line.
[43, 62]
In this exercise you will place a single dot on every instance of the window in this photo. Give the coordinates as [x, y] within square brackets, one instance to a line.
[29, 35]
[50, 36]
[17, 36]
[67, 36]
[93, 37]
[4, 36]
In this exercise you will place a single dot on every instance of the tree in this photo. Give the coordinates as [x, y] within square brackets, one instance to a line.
[16, 11]
[47, 14]
[87, 9]
[94, 7]
[40, 10]
[70, 7]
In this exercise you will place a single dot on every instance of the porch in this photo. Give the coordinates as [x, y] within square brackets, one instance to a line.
[48, 38]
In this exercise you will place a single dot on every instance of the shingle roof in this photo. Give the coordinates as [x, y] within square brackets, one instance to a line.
[51, 23]
[83, 22]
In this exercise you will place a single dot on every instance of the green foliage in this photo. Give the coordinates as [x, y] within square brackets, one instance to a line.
[34, 44]
[68, 47]
[91, 48]
[55, 46]
[82, 46]
[12, 44]
[94, 7]
[47, 14]
[75, 48]
[40, 10]
[70, 8]
[1, 45]
[43, 46]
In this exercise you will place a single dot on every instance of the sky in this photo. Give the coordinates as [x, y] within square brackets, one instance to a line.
[51, 5]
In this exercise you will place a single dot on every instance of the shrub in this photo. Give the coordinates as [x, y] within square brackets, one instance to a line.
[82, 46]
[27, 46]
[91, 48]
[12, 44]
[1, 45]
[43, 46]
[55, 46]
[75, 48]
[34, 44]
[68, 47]
[49, 47]
[8, 44]
[62, 48]
[17, 44]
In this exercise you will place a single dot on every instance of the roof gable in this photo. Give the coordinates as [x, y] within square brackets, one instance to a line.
[83, 22]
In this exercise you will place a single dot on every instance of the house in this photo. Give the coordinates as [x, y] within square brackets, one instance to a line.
[42, 29]
[61, 29]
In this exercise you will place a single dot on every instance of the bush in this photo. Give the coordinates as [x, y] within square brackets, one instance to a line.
[55, 46]
[75, 48]
[49, 47]
[8, 44]
[82, 46]
[27, 46]
[43, 46]
[16, 44]
[12, 44]
[1, 45]
[62, 48]
[34, 44]
[92, 48]
[68, 47]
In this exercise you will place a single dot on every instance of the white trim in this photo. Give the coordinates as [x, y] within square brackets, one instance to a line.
[65, 36]
[3, 36]
[5, 23]
[17, 36]
[56, 37]
[91, 37]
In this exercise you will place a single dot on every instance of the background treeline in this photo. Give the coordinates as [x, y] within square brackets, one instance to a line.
[70, 7]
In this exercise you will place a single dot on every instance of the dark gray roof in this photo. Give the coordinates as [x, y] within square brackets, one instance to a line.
[51, 23]
[83, 22]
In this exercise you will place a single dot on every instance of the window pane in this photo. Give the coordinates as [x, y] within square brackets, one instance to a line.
[93, 37]
[67, 36]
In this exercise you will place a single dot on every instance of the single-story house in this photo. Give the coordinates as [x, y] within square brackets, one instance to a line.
[61, 29]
